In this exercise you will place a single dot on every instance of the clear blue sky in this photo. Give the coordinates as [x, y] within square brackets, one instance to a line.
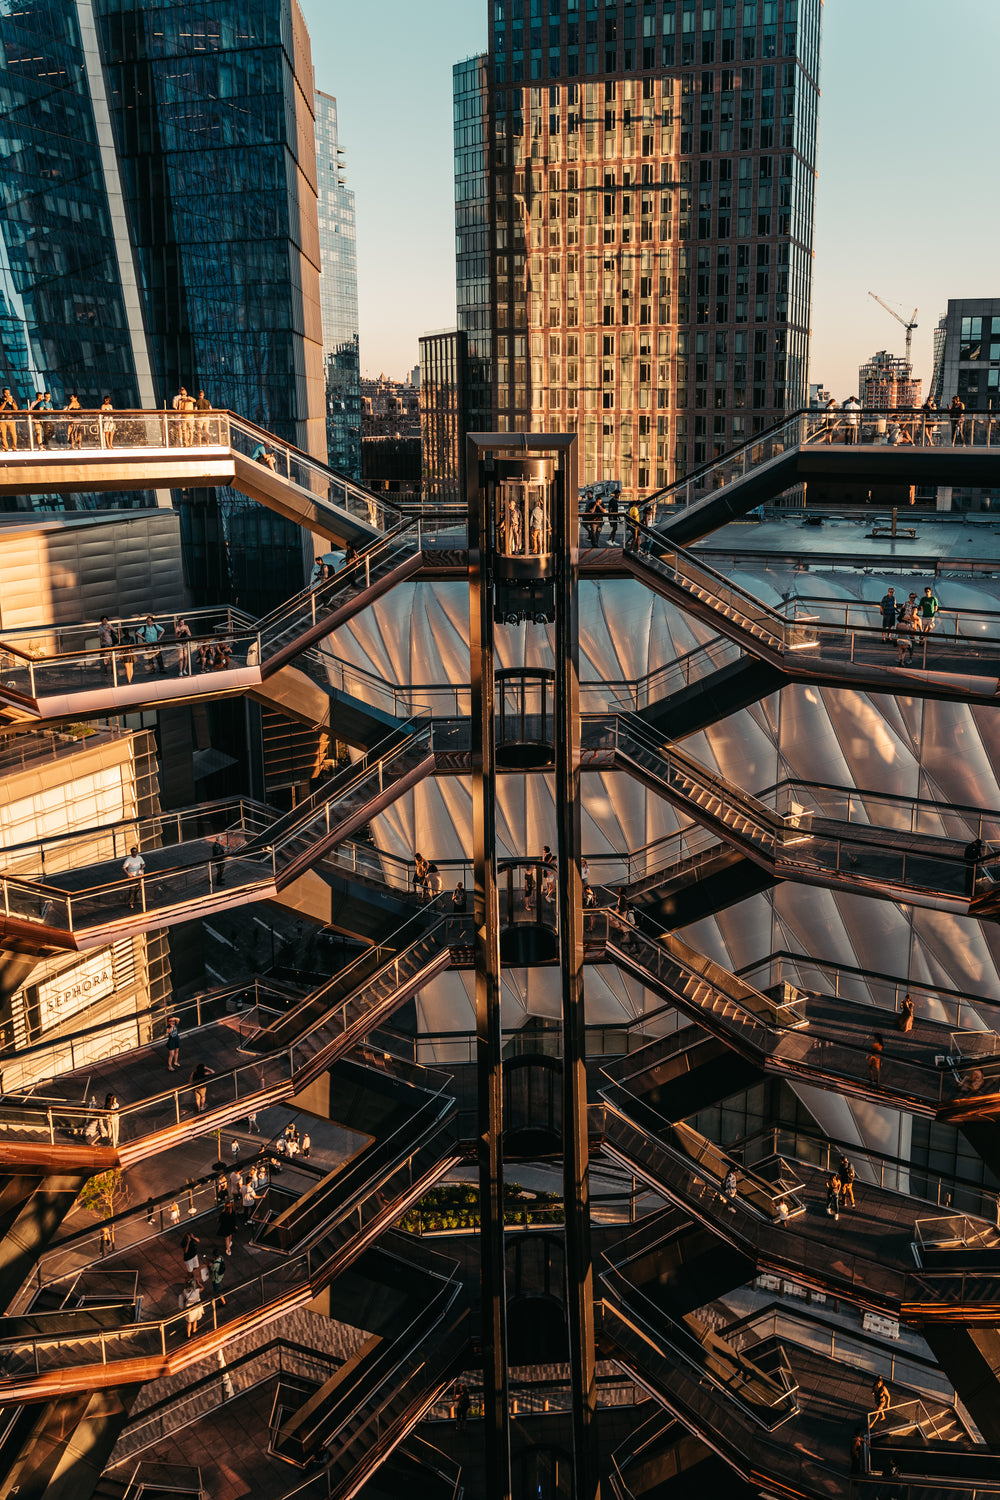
[906, 198]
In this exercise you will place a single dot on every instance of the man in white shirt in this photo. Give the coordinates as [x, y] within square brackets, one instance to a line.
[134, 867]
[852, 419]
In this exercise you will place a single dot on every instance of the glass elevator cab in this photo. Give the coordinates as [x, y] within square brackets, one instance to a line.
[521, 496]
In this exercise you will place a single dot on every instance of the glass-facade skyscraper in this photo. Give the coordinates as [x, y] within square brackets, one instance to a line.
[338, 290]
[634, 200]
[158, 228]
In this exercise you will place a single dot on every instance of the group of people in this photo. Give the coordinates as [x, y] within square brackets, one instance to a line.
[891, 428]
[37, 419]
[903, 620]
[638, 522]
[194, 422]
[40, 426]
[214, 654]
[292, 1144]
[840, 1188]
[427, 880]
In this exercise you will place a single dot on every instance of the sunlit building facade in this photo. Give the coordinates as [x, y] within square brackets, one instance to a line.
[647, 176]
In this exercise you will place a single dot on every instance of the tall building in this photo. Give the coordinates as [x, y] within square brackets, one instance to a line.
[338, 291]
[969, 362]
[634, 199]
[159, 229]
[443, 415]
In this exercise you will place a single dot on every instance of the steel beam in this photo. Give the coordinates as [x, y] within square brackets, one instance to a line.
[576, 1185]
[489, 1066]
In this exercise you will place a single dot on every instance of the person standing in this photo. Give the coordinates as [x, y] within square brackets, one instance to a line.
[8, 427]
[956, 412]
[632, 528]
[35, 426]
[107, 423]
[149, 634]
[612, 519]
[515, 531]
[833, 1196]
[594, 521]
[928, 610]
[847, 1175]
[184, 405]
[203, 425]
[199, 1077]
[852, 419]
[306, 1145]
[189, 1252]
[420, 868]
[462, 1405]
[190, 1302]
[458, 900]
[182, 634]
[217, 1271]
[110, 1123]
[904, 1016]
[887, 605]
[249, 1198]
[134, 866]
[174, 1044]
[830, 425]
[227, 1225]
[219, 864]
[907, 625]
[536, 521]
[875, 1059]
[74, 430]
[106, 641]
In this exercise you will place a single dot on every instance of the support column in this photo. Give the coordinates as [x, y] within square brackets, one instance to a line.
[486, 909]
[576, 1184]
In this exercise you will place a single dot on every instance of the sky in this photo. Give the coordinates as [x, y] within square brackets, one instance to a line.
[906, 203]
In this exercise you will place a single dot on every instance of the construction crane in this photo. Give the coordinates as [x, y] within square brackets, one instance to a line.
[909, 326]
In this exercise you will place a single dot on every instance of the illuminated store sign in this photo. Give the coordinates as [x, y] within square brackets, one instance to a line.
[74, 989]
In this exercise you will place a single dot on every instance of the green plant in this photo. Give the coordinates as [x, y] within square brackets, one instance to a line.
[106, 1194]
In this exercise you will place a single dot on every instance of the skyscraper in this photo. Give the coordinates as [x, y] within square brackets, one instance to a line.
[634, 195]
[338, 290]
[160, 230]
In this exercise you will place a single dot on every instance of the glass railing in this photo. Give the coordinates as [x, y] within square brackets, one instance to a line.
[324, 485]
[779, 824]
[698, 984]
[816, 627]
[23, 1357]
[888, 1173]
[128, 432]
[28, 1067]
[53, 660]
[881, 428]
[318, 1028]
[952, 1008]
[71, 432]
[256, 846]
